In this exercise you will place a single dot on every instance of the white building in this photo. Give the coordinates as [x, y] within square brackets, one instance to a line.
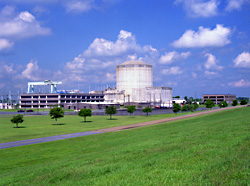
[134, 83]
[5, 106]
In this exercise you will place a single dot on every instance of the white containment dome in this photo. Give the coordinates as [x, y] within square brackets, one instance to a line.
[133, 77]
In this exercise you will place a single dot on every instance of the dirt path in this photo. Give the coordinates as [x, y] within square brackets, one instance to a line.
[113, 129]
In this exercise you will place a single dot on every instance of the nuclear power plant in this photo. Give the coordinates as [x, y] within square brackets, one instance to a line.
[134, 83]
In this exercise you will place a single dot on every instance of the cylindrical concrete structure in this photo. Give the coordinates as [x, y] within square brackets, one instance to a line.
[133, 77]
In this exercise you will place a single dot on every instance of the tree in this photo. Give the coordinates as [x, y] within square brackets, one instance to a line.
[147, 110]
[176, 108]
[131, 109]
[243, 102]
[85, 113]
[111, 110]
[56, 113]
[17, 119]
[209, 104]
[186, 98]
[223, 104]
[196, 106]
[235, 102]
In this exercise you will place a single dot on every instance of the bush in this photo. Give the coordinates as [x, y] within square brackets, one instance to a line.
[243, 102]
[209, 104]
[235, 102]
[223, 104]
[176, 108]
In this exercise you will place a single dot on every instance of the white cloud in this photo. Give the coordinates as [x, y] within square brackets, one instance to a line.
[242, 60]
[23, 25]
[78, 6]
[31, 71]
[5, 44]
[209, 73]
[125, 44]
[204, 37]
[104, 55]
[172, 71]
[194, 75]
[240, 83]
[200, 8]
[211, 63]
[235, 4]
[169, 57]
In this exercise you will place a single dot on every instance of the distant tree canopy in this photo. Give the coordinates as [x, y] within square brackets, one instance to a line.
[176, 108]
[209, 104]
[147, 110]
[176, 97]
[56, 113]
[243, 102]
[235, 102]
[110, 111]
[131, 109]
[85, 113]
[223, 104]
[17, 119]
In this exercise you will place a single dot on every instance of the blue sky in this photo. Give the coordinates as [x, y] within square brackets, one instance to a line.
[195, 46]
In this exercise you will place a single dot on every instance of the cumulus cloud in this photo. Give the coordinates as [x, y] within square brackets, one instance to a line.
[31, 71]
[240, 83]
[211, 63]
[5, 44]
[200, 8]
[169, 57]
[204, 37]
[235, 4]
[103, 54]
[172, 71]
[242, 60]
[22, 26]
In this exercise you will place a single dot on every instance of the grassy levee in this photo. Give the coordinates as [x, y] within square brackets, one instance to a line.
[43, 126]
[211, 149]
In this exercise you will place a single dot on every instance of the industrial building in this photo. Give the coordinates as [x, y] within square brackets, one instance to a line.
[38, 100]
[217, 98]
[134, 83]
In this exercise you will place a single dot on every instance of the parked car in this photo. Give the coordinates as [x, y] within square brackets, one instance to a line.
[29, 111]
[21, 110]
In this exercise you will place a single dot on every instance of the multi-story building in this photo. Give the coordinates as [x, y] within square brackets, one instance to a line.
[217, 98]
[52, 99]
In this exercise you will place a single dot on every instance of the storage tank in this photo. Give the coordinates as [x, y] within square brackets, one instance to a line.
[133, 77]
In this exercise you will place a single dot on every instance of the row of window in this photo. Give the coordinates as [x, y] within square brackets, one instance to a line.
[70, 97]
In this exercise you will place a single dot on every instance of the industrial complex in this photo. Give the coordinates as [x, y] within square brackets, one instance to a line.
[134, 85]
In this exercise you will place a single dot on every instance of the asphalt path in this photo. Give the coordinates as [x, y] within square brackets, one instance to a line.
[113, 129]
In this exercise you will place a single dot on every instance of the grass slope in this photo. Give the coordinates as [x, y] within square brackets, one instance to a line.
[207, 150]
[42, 126]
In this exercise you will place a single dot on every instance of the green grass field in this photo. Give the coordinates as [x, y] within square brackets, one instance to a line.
[42, 126]
[212, 149]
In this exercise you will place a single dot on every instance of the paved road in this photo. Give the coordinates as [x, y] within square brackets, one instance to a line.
[113, 129]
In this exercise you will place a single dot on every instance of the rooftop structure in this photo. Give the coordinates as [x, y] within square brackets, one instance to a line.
[46, 82]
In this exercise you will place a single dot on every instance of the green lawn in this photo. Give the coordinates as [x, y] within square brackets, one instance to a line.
[41, 126]
[212, 149]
